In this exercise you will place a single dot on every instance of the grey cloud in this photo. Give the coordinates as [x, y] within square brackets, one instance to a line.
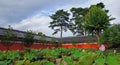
[114, 9]
[12, 11]
[15, 10]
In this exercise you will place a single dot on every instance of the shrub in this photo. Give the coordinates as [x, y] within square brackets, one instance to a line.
[28, 38]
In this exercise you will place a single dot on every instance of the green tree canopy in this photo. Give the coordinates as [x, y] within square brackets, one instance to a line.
[96, 20]
[60, 21]
[77, 18]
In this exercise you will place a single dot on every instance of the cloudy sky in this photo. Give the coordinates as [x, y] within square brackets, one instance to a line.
[34, 14]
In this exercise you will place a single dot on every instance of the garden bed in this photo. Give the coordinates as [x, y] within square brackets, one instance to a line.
[59, 56]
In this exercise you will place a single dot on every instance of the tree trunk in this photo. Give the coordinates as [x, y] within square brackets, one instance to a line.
[98, 38]
[61, 35]
[7, 44]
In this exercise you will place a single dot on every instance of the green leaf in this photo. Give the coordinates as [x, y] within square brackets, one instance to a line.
[48, 63]
[100, 61]
[12, 55]
[5, 62]
[112, 60]
[36, 63]
[2, 55]
[20, 62]
[29, 56]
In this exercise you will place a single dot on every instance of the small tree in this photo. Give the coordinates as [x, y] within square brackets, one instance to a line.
[28, 38]
[42, 37]
[90, 39]
[74, 42]
[9, 37]
[53, 40]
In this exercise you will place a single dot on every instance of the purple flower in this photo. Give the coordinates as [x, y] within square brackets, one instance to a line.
[102, 48]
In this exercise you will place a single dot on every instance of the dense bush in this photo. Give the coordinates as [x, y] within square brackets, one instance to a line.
[111, 35]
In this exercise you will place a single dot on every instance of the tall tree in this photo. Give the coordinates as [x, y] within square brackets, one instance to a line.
[77, 18]
[97, 20]
[9, 37]
[60, 22]
[28, 38]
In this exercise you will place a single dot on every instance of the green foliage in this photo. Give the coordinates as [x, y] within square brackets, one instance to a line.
[114, 37]
[42, 37]
[76, 54]
[20, 62]
[9, 37]
[27, 62]
[53, 40]
[111, 35]
[6, 62]
[77, 18]
[28, 38]
[71, 56]
[87, 60]
[104, 37]
[36, 63]
[90, 39]
[13, 55]
[2, 55]
[49, 63]
[97, 20]
[78, 21]
[29, 56]
[99, 61]
[67, 60]
[74, 41]
[47, 53]
[60, 18]
[112, 60]
[60, 22]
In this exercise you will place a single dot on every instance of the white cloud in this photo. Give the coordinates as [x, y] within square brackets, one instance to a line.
[113, 6]
[38, 23]
[34, 14]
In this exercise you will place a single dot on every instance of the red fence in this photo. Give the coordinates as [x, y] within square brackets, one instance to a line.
[81, 45]
[18, 46]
